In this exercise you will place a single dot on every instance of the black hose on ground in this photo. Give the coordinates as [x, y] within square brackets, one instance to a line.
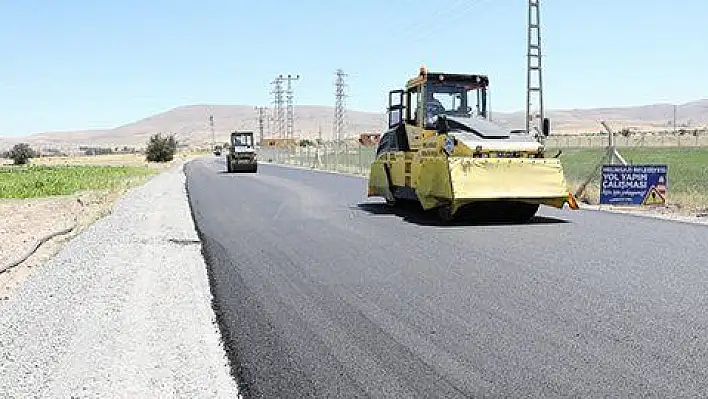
[35, 247]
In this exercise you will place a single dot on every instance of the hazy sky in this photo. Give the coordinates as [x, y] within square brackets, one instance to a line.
[77, 64]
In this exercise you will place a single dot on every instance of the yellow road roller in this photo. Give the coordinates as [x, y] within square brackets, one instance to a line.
[441, 150]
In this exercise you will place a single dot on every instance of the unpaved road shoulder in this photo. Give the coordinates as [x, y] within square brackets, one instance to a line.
[125, 308]
[24, 221]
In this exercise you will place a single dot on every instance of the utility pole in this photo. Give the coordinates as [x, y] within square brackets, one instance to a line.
[674, 119]
[213, 135]
[291, 109]
[279, 116]
[339, 105]
[269, 125]
[534, 81]
[261, 121]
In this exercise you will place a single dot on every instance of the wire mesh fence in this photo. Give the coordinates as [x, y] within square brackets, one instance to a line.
[696, 138]
[687, 171]
[687, 164]
[329, 156]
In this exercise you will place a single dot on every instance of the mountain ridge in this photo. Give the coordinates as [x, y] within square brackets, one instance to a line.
[190, 123]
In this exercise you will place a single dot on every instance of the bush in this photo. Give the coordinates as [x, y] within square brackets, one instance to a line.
[21, 153]
[161, 149]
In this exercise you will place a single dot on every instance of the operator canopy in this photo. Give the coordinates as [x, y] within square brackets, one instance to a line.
[242, 140]
[453, 99]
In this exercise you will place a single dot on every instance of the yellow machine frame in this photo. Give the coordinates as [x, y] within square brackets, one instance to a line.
[417, 161]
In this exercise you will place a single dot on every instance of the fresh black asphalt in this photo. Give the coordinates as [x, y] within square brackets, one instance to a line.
[321, 292]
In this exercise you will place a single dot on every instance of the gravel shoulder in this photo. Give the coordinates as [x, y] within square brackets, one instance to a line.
[24, 221]
[124, 306]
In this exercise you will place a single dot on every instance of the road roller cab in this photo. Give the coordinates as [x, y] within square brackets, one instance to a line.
[242, 153]
[441, 150]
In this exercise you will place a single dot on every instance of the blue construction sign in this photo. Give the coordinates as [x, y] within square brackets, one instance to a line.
[634, 185]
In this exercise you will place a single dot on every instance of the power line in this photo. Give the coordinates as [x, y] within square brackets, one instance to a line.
[279, 115]
[422, 26]
[290, 107]
[261, 120]
[339, 105]
[451, 12]
[534, 81]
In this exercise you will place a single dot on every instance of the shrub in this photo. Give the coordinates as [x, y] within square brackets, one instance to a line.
[21, 153]
[161, 149]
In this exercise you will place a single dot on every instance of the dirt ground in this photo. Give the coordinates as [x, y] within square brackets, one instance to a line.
[24, 221]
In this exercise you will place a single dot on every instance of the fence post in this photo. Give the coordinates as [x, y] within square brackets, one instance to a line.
[326, 156]
[335, 148]
[336, 156]
[342, 157]
[346, 158]
[360, 168]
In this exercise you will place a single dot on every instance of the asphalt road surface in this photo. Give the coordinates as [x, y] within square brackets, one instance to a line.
[321, 292]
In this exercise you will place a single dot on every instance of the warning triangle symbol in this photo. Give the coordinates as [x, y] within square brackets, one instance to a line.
[654, 197]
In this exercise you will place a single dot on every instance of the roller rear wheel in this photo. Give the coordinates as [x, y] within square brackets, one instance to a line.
[521, 212]
[445, 214]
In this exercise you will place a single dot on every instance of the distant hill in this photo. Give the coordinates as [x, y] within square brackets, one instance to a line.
[190, 123]
[191, 126]
[645, 117]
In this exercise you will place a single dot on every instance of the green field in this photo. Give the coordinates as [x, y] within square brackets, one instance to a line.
[43, 181]
[687, 179]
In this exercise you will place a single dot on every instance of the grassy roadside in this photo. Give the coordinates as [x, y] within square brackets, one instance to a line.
[687, 178]
[59, 176]
[43, 181]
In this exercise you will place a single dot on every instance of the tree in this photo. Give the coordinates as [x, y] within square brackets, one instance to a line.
[161, 149]
[21, 153]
